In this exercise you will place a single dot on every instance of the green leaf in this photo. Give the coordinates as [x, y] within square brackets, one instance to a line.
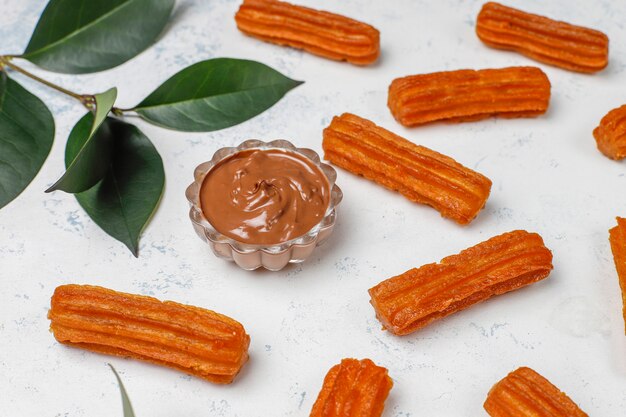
[82, 36]
[127, 406]
[93, 158]
[123, 202]
[26, 136]
[214, 94]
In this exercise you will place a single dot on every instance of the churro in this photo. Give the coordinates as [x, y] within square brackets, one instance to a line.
[469, 95]
[354, 388]
[421, 175]
[610, 134]
[617, 238]
[322, 33]
[412, 300]
[194, 340]
[564, 45]
[525, 393]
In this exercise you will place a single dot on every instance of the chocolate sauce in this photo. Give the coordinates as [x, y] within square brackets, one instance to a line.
[264, 196]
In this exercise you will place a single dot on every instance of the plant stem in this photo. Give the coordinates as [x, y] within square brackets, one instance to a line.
[87, 100]
[117, 111]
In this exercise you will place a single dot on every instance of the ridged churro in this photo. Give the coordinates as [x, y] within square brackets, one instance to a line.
[617, 237]
[525, 393]
[469, 95]
[408, 302]
[194, 340]
[556, 43]
[322, 33]
[610, 134]
[421, 175]
[354, 388]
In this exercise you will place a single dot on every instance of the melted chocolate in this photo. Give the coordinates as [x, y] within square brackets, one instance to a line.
[264, 196]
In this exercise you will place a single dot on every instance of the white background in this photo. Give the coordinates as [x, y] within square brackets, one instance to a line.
[547, 177]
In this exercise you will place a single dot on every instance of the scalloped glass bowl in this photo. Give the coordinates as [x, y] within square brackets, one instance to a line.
[272, 257]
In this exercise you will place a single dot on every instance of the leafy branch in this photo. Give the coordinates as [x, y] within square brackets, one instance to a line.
[87, 100]
[112, 168]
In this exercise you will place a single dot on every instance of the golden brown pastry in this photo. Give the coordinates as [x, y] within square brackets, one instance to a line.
[611, 134]
[414, 299]
[421, 175]
[617, 237]
[321, 33]
[525, 393]
[469, 95]
[575, 48]
[354, 388]
[194, 340]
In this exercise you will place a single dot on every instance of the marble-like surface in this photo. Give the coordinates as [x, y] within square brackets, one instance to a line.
[547, 177]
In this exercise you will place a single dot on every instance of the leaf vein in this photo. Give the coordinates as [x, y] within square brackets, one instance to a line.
[209, 97]
[122, 209]
[81, 30]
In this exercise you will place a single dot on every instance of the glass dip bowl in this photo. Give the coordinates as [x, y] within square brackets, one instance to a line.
[269, 256]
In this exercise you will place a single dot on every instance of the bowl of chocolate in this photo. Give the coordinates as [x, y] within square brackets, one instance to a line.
[264, 204]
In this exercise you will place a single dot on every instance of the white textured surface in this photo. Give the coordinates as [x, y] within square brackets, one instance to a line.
[548, 177]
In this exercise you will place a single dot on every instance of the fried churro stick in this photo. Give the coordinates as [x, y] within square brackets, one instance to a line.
[525, 393]
[408, 302]
[321, 33]
[611, 134]
[469, 95]
[194, 340]
[421, 175]
[354, 388]
[556, 43]
[617, 237]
